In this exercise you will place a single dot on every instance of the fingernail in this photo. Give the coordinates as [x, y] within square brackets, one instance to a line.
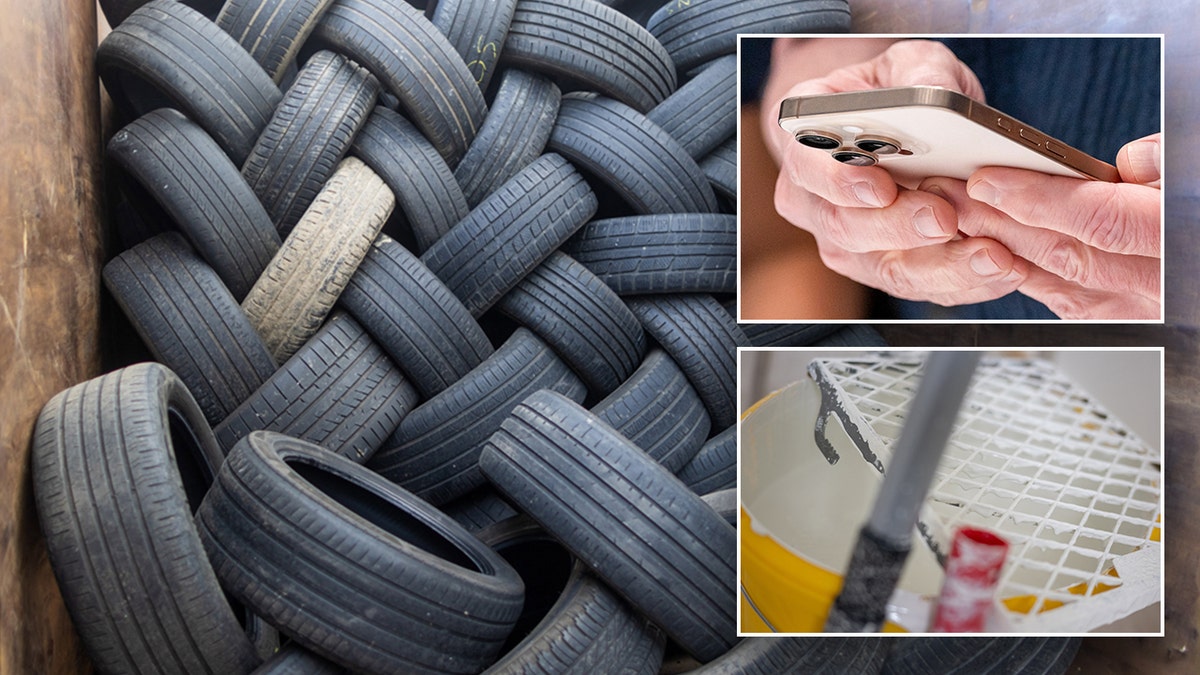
[934, 190]
[865, 193]
[1145, 158]
[927, 223]
[984, 191]
[983, 265]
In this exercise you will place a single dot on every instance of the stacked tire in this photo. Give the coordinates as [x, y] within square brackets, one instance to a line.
[441, 312]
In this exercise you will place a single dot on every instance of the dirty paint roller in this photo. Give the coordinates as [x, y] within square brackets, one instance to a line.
[884, 542]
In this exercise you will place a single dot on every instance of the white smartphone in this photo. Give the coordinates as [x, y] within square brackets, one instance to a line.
[920, 132]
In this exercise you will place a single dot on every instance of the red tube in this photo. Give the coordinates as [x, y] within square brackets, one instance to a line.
[972, 572]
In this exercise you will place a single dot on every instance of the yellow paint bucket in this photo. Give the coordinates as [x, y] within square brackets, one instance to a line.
[801, 516]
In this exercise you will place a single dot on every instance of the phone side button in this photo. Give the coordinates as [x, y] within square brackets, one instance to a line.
[1031, 137]
[1003, 124]
[1054, 149]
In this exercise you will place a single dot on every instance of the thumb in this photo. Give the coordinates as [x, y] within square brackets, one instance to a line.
[1140, 161]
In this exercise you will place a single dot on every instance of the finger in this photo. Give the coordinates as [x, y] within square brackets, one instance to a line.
[924, 62]
[798, 60]
[1062, 255]
[956, 273]
[816, 171]
[801, 59]
[1140, 161]
[906, 63]
[1069, 300]
[1115, 217]
[914, 219]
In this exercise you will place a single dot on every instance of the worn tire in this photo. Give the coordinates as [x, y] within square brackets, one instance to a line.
[714, 467]
[414, 62]
[352, 567]
[543, 564]
[697, 31]
[294, 294]
[702, 338]
[166, 54]
[183, 170]
[647, 168]
[801, 656]
[119, 464]
[430, 199]
[308, 135]
[272, 31]
[296, 660]
[657, 410]
[665, 253]
[511, 232]
[434, 453]
[582, 319]
[586, 630]
[702, 113]
[417, 320]
[476, 29]
[190, 322]
[482, 507]
[584, 45]
[513, 134]
[985, 656]
[724, 502]
[855, 335]
[339, 391]
[720, 167]
[786, 334]
[649, 537]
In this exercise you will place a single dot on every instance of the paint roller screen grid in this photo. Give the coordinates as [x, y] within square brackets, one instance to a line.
[1035, 459]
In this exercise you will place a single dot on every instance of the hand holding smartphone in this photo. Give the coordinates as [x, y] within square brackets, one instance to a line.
[919, 132]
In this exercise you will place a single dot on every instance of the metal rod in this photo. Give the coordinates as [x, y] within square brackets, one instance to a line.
[922, 441]
[886, 539]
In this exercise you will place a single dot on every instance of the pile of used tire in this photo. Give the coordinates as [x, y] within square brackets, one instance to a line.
[441, 305]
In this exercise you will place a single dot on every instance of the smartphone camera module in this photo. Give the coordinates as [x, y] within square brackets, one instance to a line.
[877, 145]
[855, 157]
[820, 140]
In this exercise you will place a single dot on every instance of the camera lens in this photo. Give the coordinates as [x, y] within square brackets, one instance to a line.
[818, 139]
[877, 145]
[854, 157]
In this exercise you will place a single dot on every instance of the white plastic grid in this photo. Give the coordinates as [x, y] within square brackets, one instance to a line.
[1033, 458]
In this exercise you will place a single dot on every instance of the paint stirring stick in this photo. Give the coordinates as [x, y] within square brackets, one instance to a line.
[884, 542]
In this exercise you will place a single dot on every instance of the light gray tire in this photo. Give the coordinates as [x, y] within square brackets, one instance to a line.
[301, 284]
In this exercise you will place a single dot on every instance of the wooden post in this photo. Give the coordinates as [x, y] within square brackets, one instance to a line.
[50, 254]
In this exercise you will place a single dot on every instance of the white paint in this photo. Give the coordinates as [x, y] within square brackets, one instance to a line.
[1054, 505]
[810, 507]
